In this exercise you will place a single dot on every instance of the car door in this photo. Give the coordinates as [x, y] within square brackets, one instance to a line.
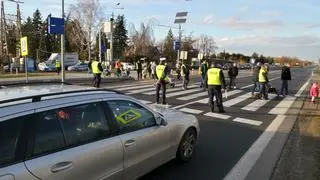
[75, 142]
[146, 144]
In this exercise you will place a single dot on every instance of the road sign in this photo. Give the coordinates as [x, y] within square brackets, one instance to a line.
[252, 61]
[183, 55]
[24, 46]
[55, 25]
[107, 27]
[176, 45]
[200, 56]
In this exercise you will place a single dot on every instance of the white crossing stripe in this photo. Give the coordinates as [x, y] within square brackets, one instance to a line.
[192, 111]
[236, 100]
[257, 104]
[168, 90]
[283, 106]
[145, 102]
[182, 92]
[216, 115]
[134, 87]
[231, 93]
[248, 121]
[146, 90]
[193, 96]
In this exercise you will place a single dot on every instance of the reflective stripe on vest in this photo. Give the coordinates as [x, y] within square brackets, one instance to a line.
[182, 73]
[160, 71]
[58, 63]
[95, 68]
[262, 74]
[214, 76]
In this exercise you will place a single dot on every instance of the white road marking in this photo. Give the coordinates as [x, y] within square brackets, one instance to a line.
[236, 100]
[248, 121]
[257, 104]
[193, 96]
[182, 92]
[252, 84]
[231, 93]
[248, 160]
[147, 90]
[168, 90]
[192, 111]
[216, 115]
[134, 87]
[282, 107]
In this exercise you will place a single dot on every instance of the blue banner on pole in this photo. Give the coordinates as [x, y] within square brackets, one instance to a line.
[55, 25]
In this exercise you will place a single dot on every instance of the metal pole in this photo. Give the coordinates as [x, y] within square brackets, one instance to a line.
[111, 39]
[62, 48]
[26, 68]
[178, 57]
[100, 46]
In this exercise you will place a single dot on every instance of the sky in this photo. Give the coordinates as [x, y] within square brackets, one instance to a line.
[268, 27]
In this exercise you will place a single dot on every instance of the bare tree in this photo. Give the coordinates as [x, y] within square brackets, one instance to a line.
[206, 44]
[90, 15]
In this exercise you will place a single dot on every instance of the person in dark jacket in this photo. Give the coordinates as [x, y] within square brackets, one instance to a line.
[255, 78]
[285, 77]
[139, 69]
[203, 70]
[233, 73]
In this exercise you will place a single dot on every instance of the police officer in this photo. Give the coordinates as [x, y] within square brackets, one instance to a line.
[58, 66]
[184, 75]
[215, 82]
[96, 70]
[263, 80]
[161, 73]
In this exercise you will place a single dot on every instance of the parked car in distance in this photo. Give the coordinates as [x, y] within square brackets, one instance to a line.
[128, 66]
[46, 67]
[68, 132]
[79, 67]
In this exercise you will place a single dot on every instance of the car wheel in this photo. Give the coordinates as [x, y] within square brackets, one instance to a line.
[186, 146]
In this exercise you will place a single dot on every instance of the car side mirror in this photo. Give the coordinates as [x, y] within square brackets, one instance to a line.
[160, 121]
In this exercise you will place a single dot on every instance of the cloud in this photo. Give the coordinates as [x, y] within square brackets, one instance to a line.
[243, 8]
[311, 25]
[208, 19]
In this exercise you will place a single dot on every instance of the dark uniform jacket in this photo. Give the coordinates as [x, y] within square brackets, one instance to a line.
[255, 75]
[233, 71]
[285, 73]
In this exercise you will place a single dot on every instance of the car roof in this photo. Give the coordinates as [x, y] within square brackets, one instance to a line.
[15, 93]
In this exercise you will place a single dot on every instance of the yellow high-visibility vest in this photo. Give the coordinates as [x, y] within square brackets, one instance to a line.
[214, 76]
[58, 63]
[160, 71]
[95, 69]
[262, 74]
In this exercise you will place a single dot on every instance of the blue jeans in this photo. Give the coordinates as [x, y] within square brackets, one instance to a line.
[263, 90]
[284, 87]
[256, 86]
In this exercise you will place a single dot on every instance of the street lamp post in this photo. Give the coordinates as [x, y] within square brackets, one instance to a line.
[181, 18]
[62, 47]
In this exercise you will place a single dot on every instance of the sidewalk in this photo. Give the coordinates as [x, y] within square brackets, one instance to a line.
[300, 158]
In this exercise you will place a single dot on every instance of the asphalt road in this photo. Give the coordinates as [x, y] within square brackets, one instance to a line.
[224, 139]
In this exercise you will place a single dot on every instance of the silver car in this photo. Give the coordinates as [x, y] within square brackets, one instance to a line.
[56, 132]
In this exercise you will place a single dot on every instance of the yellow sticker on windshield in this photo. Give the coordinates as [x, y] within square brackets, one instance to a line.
[128, 116]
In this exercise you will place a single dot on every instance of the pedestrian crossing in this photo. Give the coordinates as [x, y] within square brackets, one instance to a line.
[191, 101]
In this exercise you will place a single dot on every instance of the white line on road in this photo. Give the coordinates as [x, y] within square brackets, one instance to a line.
[134, 87]
[252, 84]
[231, 93]
[248, 160]
[192, 111]
[282, 107]
[182, 92]
[236, 100]
[193, 96]
[257, 104]
[216, 115]
[248, 121]
[168, 90]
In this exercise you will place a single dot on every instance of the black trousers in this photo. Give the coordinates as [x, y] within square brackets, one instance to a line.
[215, 91]
[58, 70]
[159, 85]
[96, 80]
[139, 73]
[232, 82]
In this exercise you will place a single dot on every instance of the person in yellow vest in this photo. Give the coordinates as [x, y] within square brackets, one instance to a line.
[58, 66]
[263, 81]
[185, 75]
[96, 70]
[161, 73]
[215, 81]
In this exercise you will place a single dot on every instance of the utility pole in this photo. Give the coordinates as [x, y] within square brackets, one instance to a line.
[179, 50]
[111, 38]
[62, 46]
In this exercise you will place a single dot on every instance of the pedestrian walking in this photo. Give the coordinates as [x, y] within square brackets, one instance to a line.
[118, 68]
[96, 70]
[153, 69]
[233, 73]
[314, 92]
[215, 81]
[255, 78]
[178, 70]
[161, 72]
[285, 77]
[139, 69]
[263, 80]
[203, 71]
[58, 66]
[185, 75]
[149, 69]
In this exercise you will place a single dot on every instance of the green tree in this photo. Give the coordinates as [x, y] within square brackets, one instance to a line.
[168, 51]
[255, 56]
[120, 37]
[35, 36]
